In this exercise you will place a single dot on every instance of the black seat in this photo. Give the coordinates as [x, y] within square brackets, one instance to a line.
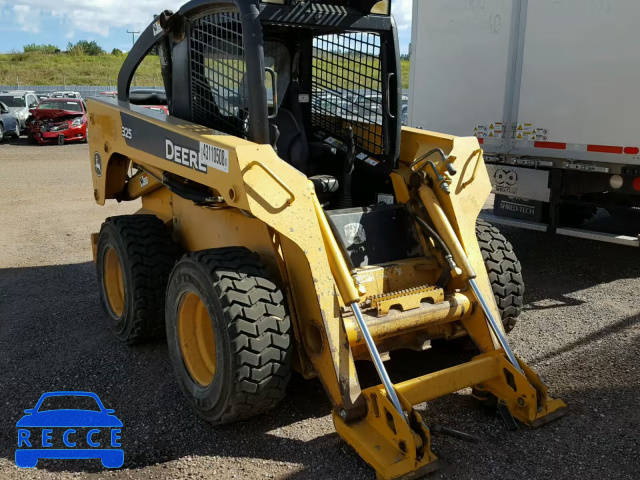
[295, 151]
[291, 144]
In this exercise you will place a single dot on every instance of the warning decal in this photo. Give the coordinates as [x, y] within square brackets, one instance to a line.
[491, 131]
[527, 132]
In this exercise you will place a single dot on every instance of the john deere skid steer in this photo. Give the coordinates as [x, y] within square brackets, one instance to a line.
[288, 222]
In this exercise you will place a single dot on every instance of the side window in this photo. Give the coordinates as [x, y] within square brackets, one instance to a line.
[347, 88]
[219, 85]
[32, 101]
[147, 87]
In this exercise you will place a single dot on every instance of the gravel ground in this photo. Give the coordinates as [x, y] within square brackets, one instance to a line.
[580, 331]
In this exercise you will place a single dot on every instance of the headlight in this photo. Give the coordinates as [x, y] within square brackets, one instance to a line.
[77, 122]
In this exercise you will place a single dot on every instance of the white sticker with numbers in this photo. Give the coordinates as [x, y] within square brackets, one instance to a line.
[214, 157]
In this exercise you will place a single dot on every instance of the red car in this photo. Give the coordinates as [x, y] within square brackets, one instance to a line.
[58, 120]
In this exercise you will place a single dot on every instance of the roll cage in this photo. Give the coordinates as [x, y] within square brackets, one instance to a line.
[344, 59]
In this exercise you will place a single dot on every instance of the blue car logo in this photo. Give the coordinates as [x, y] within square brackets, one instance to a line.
[89, 432]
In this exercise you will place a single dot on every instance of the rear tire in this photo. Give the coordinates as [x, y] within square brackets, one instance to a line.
[229, 334]
[135, 256]
[505, 272]
[573, 216]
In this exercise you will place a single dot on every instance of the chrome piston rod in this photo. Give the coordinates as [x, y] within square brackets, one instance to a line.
[495, 327]
[377, 361]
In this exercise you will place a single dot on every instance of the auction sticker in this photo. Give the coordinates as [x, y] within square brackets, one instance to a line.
[214, 157]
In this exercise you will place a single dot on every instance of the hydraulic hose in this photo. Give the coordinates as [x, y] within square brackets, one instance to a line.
[432, 233]
[446, 274]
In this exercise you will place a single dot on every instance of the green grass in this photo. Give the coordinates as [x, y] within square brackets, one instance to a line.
[58, 69]
[405, 66]
[69, 69]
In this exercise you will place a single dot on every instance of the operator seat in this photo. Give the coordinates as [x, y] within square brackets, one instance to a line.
[293, 148]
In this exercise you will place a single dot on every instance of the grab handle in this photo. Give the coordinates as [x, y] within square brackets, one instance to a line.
[275, 177]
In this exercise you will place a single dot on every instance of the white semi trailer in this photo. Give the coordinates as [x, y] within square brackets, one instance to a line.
[551, 88]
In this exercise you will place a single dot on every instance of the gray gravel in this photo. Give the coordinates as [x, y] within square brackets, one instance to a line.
[580, 331]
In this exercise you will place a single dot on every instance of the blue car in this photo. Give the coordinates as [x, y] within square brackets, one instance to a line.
[90, 432]
[9, 123]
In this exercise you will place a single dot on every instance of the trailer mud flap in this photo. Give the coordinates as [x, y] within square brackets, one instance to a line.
[518, 208]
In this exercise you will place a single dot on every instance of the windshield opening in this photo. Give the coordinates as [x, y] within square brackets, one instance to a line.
[69, 402]
[13, 102]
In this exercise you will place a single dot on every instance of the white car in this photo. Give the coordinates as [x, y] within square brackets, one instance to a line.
[65, 95]
[19, 103]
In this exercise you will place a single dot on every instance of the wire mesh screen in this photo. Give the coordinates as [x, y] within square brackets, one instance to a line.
[347, 87]
[219, 92]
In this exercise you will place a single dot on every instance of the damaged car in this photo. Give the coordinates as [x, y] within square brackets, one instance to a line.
[58, 121]
[19, 102]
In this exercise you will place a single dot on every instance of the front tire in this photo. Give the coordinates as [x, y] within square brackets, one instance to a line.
[135, 256]
[229, 334]
[505, 272]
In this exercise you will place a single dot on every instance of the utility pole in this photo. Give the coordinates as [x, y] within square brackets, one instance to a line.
[133, 42]
[133, 35]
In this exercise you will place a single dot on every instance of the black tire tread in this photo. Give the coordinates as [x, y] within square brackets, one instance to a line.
[259, 330]
[152, 255]
[505, 272]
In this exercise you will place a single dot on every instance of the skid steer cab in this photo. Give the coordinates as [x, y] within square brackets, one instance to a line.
[288, 222]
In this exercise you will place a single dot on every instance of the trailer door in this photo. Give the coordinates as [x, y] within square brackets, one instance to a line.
[461, 64]
[580, 85]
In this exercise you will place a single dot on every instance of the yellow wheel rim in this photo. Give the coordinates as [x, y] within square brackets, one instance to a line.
[197, 340]
[113, 281]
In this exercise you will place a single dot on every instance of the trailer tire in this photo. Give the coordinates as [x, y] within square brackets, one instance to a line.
[505, 272]
[229, 334]
[573, 216]
[135, 255]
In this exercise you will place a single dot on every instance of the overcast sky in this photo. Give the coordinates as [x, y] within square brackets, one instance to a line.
[58, 22]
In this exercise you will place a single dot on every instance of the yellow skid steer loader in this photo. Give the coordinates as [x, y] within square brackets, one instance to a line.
[289, 222]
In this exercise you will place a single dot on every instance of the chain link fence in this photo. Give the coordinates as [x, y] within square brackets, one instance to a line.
[85, 91]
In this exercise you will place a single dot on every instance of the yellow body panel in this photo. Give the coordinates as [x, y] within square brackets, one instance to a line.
[271, 208]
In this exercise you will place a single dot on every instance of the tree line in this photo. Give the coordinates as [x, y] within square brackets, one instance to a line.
[81, 47]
